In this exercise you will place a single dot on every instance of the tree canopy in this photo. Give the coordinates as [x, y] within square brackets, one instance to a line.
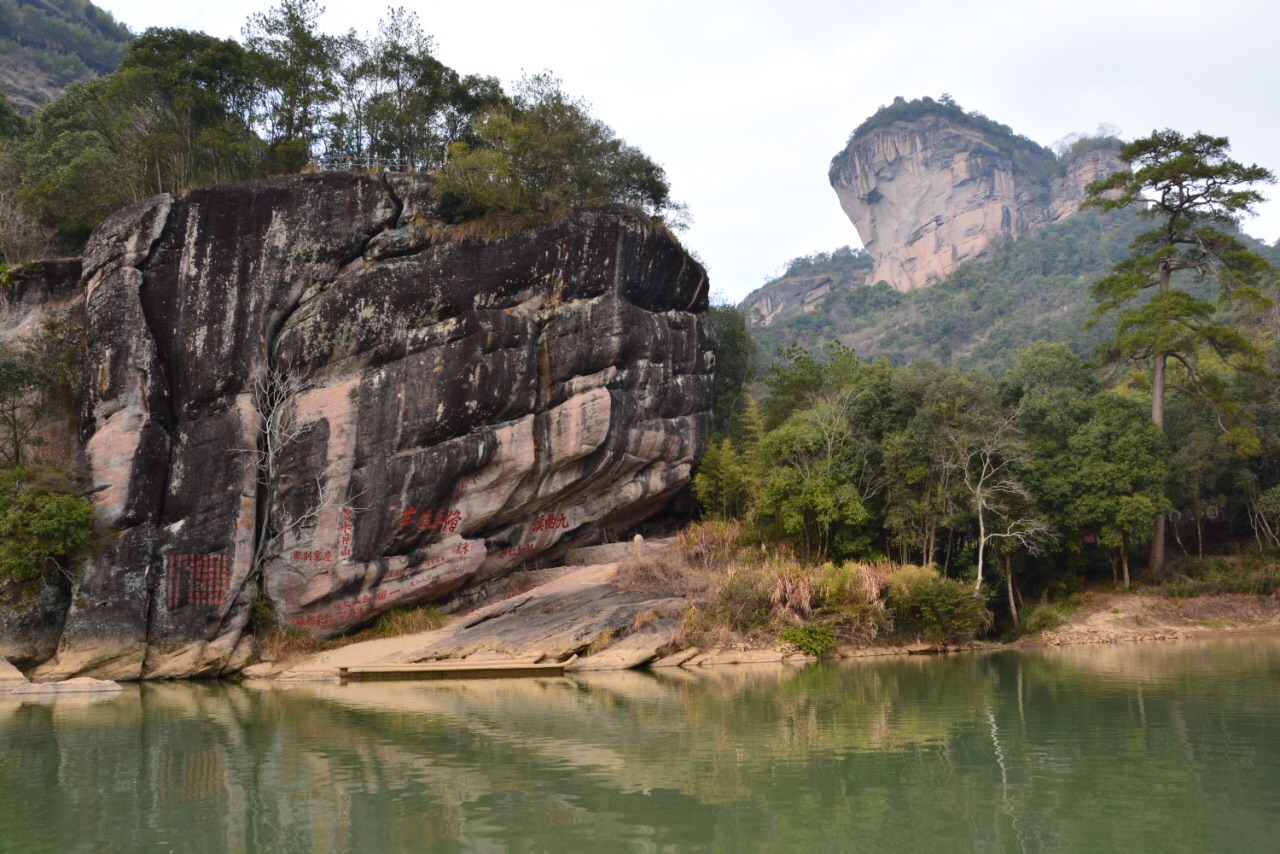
[543, 149]
[185, 109]
[1193, 192]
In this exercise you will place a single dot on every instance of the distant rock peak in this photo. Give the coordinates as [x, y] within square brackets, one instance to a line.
[929, 192]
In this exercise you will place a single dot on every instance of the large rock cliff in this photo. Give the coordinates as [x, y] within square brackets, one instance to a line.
[930, 193]
[308, 395]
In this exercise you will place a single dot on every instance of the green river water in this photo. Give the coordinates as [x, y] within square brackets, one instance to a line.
[1135, 747]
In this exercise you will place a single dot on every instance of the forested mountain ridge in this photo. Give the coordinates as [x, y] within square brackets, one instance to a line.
[1032, 289]
[805, 282]
[46, 44]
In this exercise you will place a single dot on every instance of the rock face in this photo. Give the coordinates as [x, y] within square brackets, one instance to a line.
[1079, 173]
[928, 194]
[10, 677]
[307, 395]
[785, 297]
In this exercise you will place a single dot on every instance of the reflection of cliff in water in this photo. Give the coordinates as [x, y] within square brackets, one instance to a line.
[999, 750]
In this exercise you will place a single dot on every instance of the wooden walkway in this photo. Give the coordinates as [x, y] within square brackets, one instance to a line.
[457, 669]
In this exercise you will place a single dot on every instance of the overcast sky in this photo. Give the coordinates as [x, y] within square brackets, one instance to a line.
[746, 102]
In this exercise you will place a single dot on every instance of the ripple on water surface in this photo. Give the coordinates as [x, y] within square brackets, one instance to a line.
[1131, 747]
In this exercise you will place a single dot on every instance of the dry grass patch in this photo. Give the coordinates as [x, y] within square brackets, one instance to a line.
[664, 575]
[407, 621]
[711, 544]
[755, 594]
[602, 642]
[285, 644]
[498, 225]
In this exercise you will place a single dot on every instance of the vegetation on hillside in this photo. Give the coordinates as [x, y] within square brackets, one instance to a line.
[542, 149]
[1019, 467]
[844, 265]
[185, 109]
[52, 43]
[1036, 288]
[1033, 289]
[45, 524]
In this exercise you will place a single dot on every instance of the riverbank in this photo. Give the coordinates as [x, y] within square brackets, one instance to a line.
[1148, 615]
[598, 612]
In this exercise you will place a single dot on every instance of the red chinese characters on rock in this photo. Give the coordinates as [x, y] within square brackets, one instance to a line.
[462, 484]
[345, 530]
[247, 517]
[549, 522]
[515, 551]
[312, 557]
[315, 620]
[358, 606]
[196, 579]
[432, 521]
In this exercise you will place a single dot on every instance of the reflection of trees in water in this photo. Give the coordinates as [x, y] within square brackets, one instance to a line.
[1008, 750]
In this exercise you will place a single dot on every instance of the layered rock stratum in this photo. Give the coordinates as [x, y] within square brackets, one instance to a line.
[929, 194]
[307, 395]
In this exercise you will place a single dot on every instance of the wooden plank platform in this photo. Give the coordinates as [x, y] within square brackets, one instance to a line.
[461, 669]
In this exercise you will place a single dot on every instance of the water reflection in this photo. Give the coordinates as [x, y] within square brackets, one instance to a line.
[1131, 747]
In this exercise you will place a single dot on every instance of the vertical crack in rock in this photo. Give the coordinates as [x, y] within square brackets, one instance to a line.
[395, 200]
[275, 387]
[170, 419]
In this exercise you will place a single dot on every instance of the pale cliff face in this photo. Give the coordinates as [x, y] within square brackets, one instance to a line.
[802, 294]
[1069, 191]
[924, 197]
[928, 195]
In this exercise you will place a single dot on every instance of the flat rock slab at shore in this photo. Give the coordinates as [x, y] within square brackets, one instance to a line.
[81, 685]
[582, 612]
[635, 650]
[556, 620]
